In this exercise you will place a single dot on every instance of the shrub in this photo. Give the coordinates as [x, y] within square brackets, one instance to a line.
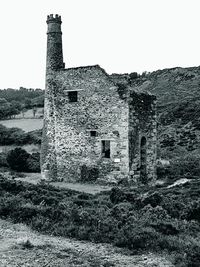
[69, 213]
[122, 210]
[3, 161]
[174, 206]
[137, 237]
[25, 213]
[9, 204]
[151, 214]
[152, 199]
[193, 257]
[89, 173]
[33, 137]
[20, 160]
[17, 159]
[118, 195]
[163, 171]
[187, 165]
[192, 212]
[33, 162]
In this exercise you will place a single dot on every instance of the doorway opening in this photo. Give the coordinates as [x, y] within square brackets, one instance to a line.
[143, 160]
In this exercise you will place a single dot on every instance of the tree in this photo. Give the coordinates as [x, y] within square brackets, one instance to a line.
[4, 108]
[15, 108]
[28, 103]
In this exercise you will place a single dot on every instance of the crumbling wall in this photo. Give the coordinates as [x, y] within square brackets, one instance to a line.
[99, 108]
[142, 127]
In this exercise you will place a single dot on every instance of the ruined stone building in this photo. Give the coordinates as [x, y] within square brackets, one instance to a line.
[97, 127]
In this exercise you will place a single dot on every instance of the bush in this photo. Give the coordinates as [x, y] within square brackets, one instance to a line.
[193, 257]
[192, 212]
[185, 166]
[152, 199]
[89, 173]
[163, 171]
[17, 159]
[33, 162]
[120, 221]
[20, 160]
[3, 161]
[137, 237]
[118, 195]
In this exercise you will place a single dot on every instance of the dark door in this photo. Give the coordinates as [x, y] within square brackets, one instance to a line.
[143, 160]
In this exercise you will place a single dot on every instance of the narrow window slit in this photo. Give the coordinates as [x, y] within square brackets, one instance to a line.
[105, 148]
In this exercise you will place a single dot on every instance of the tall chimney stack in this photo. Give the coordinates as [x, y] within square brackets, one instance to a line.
[54, 59]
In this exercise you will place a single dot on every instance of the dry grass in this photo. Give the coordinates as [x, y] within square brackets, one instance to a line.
[20, 246]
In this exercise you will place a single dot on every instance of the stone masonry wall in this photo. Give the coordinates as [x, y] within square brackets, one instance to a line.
[99, 108]
[48, 151]
[54, 61]
[142, 124]
[106, 104]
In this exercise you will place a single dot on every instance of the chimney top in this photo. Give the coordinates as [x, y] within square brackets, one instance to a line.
[55, 19]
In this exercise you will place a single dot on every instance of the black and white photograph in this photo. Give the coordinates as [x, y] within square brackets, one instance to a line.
[100, 133]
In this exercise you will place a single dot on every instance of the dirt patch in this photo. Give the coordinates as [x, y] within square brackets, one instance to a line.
[43, 250]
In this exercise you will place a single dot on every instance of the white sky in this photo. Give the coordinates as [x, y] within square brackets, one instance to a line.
[119, 35]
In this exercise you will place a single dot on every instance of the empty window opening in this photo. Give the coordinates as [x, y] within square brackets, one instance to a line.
[73, 96]
[105, 148]
[93, 133]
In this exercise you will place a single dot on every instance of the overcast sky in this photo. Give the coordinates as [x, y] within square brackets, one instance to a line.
[120, 35]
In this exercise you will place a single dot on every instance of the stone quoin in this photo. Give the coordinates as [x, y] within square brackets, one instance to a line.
[97, 127]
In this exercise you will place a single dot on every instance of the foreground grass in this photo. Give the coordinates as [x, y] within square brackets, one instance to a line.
[20, 246]
[156, 219]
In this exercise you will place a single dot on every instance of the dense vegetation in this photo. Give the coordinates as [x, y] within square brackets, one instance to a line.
[153, 219]
[17, 158]
[13, 101]
[21, 161]
[22, 94]
[16, 136]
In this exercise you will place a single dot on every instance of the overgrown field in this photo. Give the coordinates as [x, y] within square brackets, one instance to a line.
[164, 219]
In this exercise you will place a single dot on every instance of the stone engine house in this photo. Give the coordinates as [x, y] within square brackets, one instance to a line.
[97, 127]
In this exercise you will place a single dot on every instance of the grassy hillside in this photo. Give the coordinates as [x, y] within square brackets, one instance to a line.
[178, 95]
[175, 85]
